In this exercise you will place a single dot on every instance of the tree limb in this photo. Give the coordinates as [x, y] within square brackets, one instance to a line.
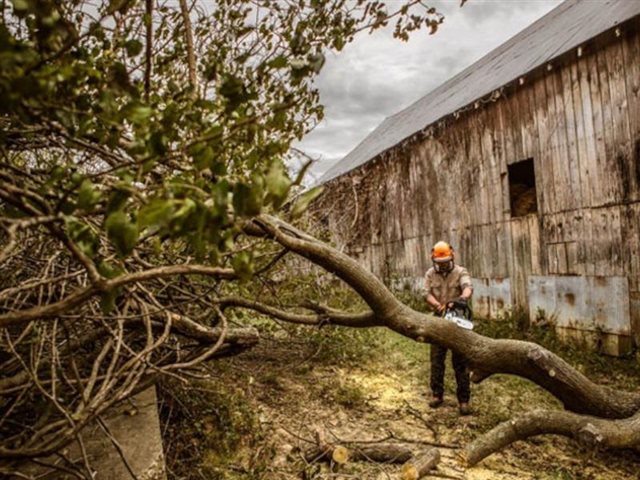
[486, 356]
[334, 317]
[191, 57]
[590, 431]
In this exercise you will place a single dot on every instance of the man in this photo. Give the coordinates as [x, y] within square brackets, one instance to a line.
[445, 283]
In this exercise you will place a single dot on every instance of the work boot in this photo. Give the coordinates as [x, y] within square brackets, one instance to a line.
[436, 402]
[464, 409]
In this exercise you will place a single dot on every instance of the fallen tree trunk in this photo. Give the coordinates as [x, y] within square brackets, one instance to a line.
[419, 466]
[590, 431]
[485, 356]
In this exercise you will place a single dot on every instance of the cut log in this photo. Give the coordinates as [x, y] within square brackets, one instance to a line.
[419, 466]
[381, 453]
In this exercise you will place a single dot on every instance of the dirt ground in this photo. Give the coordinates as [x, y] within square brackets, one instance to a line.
[295, 388]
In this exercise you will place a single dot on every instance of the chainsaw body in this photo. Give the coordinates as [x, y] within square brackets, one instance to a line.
[460, 314]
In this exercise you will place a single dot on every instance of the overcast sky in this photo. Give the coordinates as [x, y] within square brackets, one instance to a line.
[377, 76]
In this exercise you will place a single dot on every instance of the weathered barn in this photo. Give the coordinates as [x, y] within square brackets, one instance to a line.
[528, 162]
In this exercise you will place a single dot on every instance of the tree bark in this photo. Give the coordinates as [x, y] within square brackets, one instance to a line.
[363, 452]
[590, 431]
[418, 467]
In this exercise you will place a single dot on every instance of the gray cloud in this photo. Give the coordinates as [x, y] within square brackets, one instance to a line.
[377, 76]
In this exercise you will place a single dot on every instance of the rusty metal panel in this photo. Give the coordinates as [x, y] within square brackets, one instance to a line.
[541, 293]
[491, 296]
[500, 295]
[481, 297]
[591, 303]
[609, 297]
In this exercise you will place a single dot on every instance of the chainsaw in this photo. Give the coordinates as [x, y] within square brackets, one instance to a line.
[460, 314]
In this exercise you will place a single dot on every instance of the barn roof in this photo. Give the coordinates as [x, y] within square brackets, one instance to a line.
[566, 27]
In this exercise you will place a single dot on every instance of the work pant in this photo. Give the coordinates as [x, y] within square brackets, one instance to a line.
[438, 356]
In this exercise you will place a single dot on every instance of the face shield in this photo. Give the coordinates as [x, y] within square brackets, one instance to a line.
[443, 265]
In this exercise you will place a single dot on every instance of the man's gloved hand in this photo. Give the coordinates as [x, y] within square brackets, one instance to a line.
[462, 300]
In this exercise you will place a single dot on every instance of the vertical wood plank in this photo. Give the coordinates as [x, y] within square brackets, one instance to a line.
[544, 163]
[631, 53]
[565, 83]
[618, 143]
[601, 193]
[535, 245]
[580, 132]
[556, 144]
[614, 241]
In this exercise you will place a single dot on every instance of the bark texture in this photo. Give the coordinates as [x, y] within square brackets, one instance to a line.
[420, 466]
[590, 431]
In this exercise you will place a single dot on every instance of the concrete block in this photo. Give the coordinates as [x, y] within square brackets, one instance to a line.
[136, 427]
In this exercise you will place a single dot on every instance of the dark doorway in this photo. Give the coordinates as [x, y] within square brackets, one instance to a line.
[522, 188]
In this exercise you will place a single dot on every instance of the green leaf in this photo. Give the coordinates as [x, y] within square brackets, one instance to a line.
[20, 5]
[242, 264]
[108, 300]
[108, 270]
[234, 90]
[298, 63]
[88, 196]
[133, 47]
[119, 6]
[302, 202]
[316, 61]
[122, 232]
[186, 208]
[247, 201]
[303, 171]
[279, 62]
[118, 199]
[157, 213]
[203, 155]
[82, 235]
[278, 183]
[138, 113]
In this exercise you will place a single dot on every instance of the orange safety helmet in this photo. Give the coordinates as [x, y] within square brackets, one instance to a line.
[442, 257]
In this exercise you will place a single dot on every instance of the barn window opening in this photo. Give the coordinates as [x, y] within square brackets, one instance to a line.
[522, 188]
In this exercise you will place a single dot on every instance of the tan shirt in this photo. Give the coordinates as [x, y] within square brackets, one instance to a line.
[447, 287]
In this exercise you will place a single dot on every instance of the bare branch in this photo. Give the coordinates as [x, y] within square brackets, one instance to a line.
[326, 315]
[191, 57]
[590, 431]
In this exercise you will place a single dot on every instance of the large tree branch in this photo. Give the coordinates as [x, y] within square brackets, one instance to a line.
[188, 36]
[368, 286]
[486, 356]
[591, 431]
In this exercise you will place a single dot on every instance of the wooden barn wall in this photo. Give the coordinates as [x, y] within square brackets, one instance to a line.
[579, 121]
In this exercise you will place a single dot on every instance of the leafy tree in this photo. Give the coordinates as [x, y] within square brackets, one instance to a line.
[137, 140]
